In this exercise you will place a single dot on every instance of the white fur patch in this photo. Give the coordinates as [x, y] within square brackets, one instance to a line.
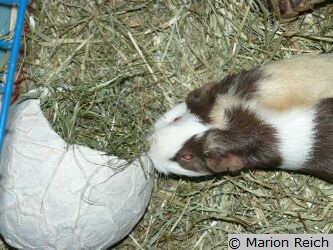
[169, 138]
[166, 119]
[296, 134]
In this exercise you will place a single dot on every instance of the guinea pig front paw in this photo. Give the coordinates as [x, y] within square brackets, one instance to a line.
[226, 163]
[219, 155]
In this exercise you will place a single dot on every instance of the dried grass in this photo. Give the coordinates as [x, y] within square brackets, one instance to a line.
[113, 66]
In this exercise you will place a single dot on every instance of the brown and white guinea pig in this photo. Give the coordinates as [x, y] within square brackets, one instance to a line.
[281, 85]
[263, 118]
[300, 139]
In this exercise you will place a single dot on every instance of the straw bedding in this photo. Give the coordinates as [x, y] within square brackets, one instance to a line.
[112, 67]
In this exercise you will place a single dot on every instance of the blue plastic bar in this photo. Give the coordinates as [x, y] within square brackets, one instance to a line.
[11, 2]
[6, 98]
[5, 44]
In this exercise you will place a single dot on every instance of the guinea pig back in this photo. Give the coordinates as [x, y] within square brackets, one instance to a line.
[300, 81]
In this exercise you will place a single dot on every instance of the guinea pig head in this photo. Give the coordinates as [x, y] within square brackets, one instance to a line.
[171, 149]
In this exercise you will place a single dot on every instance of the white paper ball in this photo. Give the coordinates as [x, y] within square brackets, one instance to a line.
[55, 196]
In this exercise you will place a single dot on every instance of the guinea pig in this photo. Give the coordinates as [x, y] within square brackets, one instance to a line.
[282, 89]
[299, 81]
[300, 139]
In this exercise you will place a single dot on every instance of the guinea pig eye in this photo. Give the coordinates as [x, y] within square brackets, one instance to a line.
[176, 119]
[187, 157]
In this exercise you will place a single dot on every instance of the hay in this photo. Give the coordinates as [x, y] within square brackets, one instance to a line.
[113, 66]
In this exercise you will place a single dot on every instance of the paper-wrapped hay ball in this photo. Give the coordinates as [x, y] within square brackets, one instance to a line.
[55, 196]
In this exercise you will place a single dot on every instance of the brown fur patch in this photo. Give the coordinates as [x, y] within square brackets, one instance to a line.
[200, 101]
[248, 142]
[222, 104]
[247, 137]
[321, 163]
[242, 85]
[279, 85]
[194, 147]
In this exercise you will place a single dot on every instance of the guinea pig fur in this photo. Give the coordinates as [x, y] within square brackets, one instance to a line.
[300, 140]
[299, 81]
[245, 121]
[174, 128]
[170, 117]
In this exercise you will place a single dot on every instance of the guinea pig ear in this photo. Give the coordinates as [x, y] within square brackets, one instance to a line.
[200, 95]
[229, 162]
[201, 100]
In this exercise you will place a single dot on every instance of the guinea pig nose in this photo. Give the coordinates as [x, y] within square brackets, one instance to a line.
[187, 157]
